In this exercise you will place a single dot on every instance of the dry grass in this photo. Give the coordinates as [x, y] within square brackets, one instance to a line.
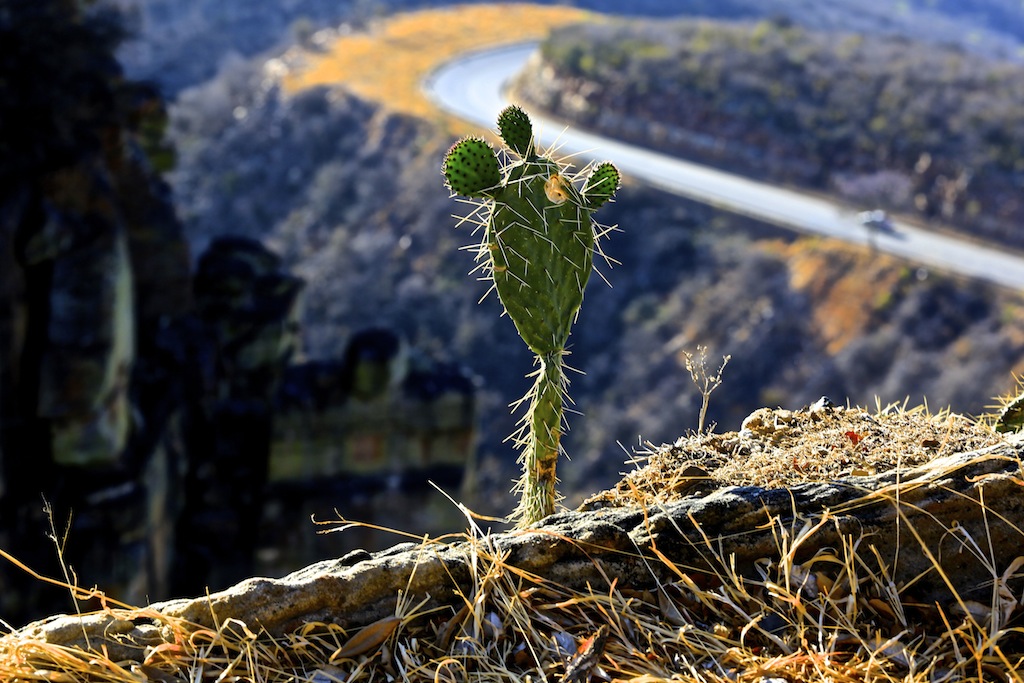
[794, 622]
[829, 618]
[778, 448]
[388, 63]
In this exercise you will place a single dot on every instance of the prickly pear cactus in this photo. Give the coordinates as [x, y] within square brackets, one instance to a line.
[538, 248]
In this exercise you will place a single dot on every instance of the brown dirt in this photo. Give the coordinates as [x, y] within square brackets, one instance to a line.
[848, 282]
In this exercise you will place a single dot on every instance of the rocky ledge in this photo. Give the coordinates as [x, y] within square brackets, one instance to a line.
[945, 531]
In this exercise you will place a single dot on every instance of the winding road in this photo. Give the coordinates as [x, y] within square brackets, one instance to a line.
[472, 88]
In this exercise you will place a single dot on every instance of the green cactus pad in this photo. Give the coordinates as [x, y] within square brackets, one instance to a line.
[542, 248]
[516, 130]
[470, 168]
[601, 185]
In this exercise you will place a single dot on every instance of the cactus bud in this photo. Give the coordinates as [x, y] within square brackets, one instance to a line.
[471, 168]
[516, 130]
[601, 185]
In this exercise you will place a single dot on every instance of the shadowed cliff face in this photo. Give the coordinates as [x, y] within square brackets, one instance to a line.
[80, 203]
[119, 396]
[94, 264]
[137, 400]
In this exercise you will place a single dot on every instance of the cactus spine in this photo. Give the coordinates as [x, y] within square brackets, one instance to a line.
[538, 248]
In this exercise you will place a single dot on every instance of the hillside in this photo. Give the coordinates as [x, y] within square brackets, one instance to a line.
[183, 44]
[349, 192]
[926, 130]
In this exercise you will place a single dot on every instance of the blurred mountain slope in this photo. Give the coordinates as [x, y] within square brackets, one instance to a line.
[350, 193]
[928, 130]
[184, 43]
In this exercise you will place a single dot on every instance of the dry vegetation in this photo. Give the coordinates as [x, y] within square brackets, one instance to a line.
[388, 63]
[824, 619]
[779, 448]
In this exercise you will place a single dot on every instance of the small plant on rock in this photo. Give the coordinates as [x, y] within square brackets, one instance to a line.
[538, 248]
[706, 383]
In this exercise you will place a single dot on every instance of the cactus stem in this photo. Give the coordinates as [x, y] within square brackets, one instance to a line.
[539, 439]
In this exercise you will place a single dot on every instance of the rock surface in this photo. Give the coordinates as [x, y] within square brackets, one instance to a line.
[926, 525]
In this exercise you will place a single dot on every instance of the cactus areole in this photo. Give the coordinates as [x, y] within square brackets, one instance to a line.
[538, 248]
